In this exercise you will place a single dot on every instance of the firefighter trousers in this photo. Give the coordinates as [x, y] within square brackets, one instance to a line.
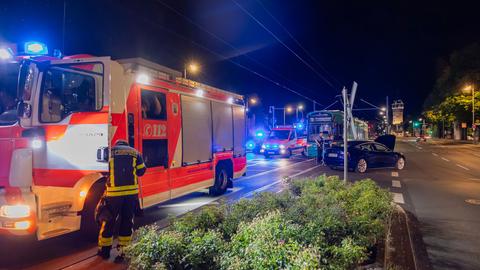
[122, 209]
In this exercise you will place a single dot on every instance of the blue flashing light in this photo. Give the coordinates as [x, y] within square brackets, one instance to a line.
[300, 126]
[250, 145]
[6, 53]
[259, 134]
[36, 48]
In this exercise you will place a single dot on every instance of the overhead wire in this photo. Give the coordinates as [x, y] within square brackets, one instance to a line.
[231, 61]
[236, 49]
[325, 80]
[298, 43]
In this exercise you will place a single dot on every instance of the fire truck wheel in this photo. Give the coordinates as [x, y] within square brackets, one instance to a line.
[221, 182]
[89, 227]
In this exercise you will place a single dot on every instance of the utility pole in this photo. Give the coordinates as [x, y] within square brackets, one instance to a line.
[387, 114]
[284, 116]
[345, 133]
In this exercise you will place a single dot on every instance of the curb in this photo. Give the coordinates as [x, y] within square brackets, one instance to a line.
[418, 249]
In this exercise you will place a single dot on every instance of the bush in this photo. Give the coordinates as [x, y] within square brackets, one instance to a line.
[209, 217]
[268, 242]
[246, 210]
[151, 246]
[319, 223]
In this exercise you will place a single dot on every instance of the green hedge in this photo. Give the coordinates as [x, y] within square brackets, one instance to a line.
[318, 223]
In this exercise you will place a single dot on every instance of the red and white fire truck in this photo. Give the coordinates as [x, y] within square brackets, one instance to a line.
[58, 117]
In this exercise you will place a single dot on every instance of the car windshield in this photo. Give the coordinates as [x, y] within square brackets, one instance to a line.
[279, 134]
[8, 89]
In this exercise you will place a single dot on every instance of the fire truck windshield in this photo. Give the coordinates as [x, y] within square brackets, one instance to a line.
[8, 90]
[65, 91]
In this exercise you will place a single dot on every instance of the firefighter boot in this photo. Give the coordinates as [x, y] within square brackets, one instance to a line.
[104, 252]
[121, 255]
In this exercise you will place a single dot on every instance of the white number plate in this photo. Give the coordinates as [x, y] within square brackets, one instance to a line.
[332, 155]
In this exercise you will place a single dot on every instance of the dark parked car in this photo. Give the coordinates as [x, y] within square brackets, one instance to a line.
[363, 155]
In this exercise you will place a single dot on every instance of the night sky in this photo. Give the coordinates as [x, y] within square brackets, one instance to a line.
[388, 47]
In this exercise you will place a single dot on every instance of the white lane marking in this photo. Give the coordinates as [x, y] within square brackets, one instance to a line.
[463, 167]
[273, 170]
[195, 204]
[398, 198]
[445, 159]
[260, 189]
[396, 183]
[435, 154]
[394, 174]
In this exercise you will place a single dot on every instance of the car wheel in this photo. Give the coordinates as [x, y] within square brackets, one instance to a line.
[400, 163]
[361, 166]
[221, 182]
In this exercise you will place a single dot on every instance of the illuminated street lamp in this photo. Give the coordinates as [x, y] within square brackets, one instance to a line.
[380, 112]
[467, 89]
[383, 108]
[192, 68]
[299, 108]
[289, 109]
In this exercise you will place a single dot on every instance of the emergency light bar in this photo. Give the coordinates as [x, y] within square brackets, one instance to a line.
[36, 48]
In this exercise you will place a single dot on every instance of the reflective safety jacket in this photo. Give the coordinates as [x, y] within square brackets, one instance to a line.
[126, 165]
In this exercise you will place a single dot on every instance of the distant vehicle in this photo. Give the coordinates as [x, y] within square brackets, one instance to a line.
[283, 141]
[363, 155]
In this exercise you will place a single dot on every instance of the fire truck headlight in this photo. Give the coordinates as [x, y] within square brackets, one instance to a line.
[36, 143]
[282, 146]
[5, 54]
[22, 225]
[15, 211]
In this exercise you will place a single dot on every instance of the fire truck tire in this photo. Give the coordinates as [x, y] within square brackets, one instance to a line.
[221, 182]
[89, 228]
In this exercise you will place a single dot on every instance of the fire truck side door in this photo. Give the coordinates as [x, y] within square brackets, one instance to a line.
[153, 140]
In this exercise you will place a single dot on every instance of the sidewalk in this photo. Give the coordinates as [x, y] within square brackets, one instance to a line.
[438, 141]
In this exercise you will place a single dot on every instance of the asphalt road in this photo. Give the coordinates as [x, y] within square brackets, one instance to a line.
[437, 181]
[435, 184]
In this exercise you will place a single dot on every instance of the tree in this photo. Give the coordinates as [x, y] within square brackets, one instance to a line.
[447, 103]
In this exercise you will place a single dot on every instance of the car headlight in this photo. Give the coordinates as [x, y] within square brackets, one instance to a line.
[264, 146]
[282, 146]
[15, 211]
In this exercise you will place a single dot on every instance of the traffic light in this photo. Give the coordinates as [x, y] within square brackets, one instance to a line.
[416, 124]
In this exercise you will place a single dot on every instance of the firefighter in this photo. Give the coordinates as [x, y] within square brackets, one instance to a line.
[120, 198]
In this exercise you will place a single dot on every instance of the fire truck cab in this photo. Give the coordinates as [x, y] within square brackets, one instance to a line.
[59, 117]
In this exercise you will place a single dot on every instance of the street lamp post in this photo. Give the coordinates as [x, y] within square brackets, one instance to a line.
[191, 67]
[299, 108]
[472, 88]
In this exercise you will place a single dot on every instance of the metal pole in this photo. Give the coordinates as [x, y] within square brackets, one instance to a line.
[387, 114]
[273, 117]
[345, 133]
[185, 72]
[296, 114]
[64, 26]
[284, 116]
[473, 114]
